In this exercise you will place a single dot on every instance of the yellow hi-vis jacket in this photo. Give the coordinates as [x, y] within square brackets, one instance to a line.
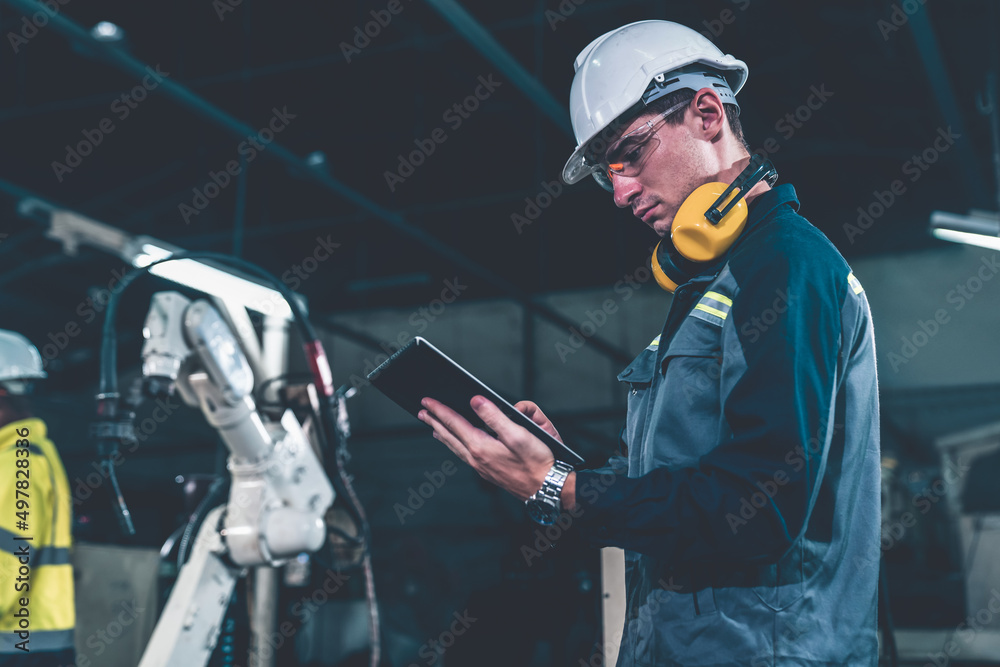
[36, 588]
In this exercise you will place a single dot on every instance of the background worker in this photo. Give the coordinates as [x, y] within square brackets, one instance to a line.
[29, 463]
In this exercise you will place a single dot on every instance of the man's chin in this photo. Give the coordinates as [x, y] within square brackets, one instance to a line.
[661, 227]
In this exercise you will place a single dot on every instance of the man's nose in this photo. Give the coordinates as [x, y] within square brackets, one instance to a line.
[625, 189]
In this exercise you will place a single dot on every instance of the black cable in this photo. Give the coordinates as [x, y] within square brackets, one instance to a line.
[330, 425]
[124, 516]
[278, 378]
[353, 540]
[109, 353]
[196, 517]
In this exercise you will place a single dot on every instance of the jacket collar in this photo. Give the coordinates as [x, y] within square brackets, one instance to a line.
[764, 205]
[760, 209]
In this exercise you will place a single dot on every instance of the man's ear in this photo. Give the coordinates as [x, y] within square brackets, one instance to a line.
[709, 112]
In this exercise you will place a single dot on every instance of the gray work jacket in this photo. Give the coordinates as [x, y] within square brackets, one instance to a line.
[748, 497]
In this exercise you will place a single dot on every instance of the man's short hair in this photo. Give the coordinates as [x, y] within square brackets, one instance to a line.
[686, 95]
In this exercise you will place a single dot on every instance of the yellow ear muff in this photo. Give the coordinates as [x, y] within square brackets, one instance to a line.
[664, 267]
[700, 232]
[694, 236]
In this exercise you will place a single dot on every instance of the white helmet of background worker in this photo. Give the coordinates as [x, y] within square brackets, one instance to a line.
[20, 362]
[622, 71]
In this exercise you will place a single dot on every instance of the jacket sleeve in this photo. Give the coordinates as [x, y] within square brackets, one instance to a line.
[749, 498]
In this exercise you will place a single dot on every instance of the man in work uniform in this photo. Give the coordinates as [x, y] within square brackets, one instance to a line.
[750, 509]
[37, 614]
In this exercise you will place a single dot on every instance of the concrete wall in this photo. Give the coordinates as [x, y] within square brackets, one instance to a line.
[937, 316]
[487, 338]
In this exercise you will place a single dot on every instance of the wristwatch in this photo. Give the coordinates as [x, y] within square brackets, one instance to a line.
[544, 507]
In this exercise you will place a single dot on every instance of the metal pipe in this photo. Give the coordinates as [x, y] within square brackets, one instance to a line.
[481, 40]
[264, 615]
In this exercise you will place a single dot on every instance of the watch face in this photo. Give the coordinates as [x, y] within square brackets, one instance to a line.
[542, 512]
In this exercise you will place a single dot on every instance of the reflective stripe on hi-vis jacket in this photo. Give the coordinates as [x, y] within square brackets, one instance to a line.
[36, 577]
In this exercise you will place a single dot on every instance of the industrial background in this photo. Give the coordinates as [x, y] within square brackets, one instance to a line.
[411, 187]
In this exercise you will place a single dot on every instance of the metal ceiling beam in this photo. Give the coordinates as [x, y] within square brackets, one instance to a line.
[481, 40]
[299, 167]
[277, 69]
[933, 62]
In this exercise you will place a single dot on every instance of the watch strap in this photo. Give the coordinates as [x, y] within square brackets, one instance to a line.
[554, 482]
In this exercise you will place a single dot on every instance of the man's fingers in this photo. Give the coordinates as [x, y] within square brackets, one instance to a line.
[535, 414]
[529, 408]
[444, 435]
[458, 425]
[495, 419]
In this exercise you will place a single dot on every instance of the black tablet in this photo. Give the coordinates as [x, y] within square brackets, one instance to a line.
[421, 370]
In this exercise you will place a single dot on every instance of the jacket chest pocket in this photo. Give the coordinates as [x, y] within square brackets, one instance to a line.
[638, 378]
[689, 404]
[693, 379]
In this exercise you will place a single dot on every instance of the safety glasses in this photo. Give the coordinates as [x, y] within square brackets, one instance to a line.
[626, 156]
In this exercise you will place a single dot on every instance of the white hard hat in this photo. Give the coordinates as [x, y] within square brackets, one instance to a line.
[635, 64]
[19, 359]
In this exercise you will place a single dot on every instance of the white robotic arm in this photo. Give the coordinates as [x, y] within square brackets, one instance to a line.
[279, 493]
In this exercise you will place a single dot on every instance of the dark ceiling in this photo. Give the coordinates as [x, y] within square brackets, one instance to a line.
[892, 90]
